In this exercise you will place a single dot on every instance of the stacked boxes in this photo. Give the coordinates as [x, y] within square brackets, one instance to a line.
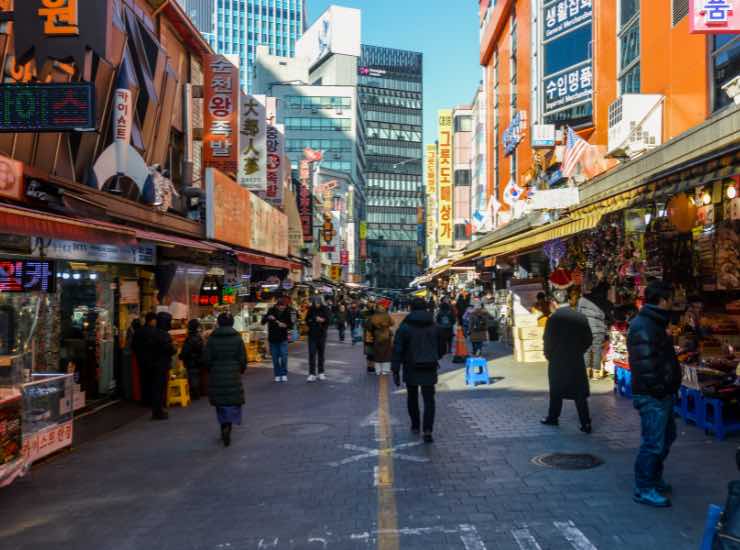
[528, 339]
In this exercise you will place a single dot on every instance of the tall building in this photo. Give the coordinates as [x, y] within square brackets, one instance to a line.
[238, 27]
[462, 136]
[391, 93]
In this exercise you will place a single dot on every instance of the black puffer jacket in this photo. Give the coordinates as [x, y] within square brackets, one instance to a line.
[226, 361]
[417, 347]
[655, 368]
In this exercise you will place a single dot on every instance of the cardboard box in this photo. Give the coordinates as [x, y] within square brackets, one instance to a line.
[534, 357]
[531, 333]
[522, 321]
[529, 345]
[78, 400]
[519, 355]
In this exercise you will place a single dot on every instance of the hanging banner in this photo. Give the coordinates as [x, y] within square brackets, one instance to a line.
[295, 232]
[221, 115]
[305, 200]
[444, 202]
[253, 153]
[273, 192]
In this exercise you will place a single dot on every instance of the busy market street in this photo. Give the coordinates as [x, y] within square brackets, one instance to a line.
[302, 472]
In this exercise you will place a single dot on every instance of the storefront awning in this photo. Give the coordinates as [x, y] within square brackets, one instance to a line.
[267, 261]
[173, 241]
[17, 220]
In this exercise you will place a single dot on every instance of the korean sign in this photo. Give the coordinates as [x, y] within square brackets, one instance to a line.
[47, 107]
[444, 202]
[253, 154]
[565, 15]
[570, 87]
[275, 164]
[305, 200]
[714, 16]
[514, 134]
[221, 115]
[27, 276]
[431, 190]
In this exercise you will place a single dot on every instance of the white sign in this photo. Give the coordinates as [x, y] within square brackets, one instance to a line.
[554, 199]
[57, 249]
[253, 155]
[543, 135]
[275, 165]
[47, 441]
[122, 116]
[337, 31]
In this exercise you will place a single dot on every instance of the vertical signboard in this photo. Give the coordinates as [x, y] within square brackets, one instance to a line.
[363, 240]
[714, 16]
[253, 153]
[444, 202]
[431, 202]
[273, 192]
[305, 200]
[221, 115]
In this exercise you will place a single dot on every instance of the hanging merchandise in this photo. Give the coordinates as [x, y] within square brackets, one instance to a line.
[560, 279]
[554, 251]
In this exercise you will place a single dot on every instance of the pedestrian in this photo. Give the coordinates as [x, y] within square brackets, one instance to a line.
[542, 308]
[367, 334]
[462, 304]
[226, 361]
[193, 356]
[567, 337]
[417, 348]
[354, 320]
[142, 345]
[381, 324]
[656, 378]
[465, 323]
[446, 324]
[279, 321]
[317, 319]
[162, 350]
[597, 322]
[478, 322]
[341, 321]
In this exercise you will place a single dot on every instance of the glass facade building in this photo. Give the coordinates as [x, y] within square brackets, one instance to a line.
[391, 93]
[237, 27]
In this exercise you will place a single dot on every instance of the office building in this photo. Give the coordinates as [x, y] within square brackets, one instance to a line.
[391, 93]
[237, 27]
[462, 136]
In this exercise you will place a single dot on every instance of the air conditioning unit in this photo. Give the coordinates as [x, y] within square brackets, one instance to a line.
[635, 124]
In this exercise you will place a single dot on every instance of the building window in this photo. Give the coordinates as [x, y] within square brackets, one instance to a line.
[464, 124]
[462, 178]
[680, 10]
[629, 47]
[315, 123]
[319, 102]
[725, 66]
[461, 232]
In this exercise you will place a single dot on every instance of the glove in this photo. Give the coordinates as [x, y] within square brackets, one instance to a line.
[396, 378]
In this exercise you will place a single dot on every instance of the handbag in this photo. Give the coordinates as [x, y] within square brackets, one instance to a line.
[728, 528]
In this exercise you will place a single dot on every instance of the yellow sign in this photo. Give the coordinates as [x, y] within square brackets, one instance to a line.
[444, 196]
[336, 272]
[363, 231]
[431, 189]
[60, 17]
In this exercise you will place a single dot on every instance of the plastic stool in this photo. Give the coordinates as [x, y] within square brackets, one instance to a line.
[691, 406]
[710, 526]
[714, 419]
[178, 392]
[476, 371]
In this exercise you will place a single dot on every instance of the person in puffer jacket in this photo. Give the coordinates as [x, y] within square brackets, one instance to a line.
[656, 378]
[597, 323]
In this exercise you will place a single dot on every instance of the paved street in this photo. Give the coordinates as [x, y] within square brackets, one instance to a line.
[333, 465]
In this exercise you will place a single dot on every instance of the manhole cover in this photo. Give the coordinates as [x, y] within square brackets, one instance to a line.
[293, 430]
[564, 461]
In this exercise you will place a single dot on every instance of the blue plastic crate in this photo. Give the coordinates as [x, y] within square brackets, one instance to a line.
[476, 371]
[690, 406]
[716, 420]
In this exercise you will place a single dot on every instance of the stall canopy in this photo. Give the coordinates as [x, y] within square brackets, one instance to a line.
[22, 221]
[268, 261]
[173, 241]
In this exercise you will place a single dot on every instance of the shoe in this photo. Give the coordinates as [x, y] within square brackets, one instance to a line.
[651, 497]
[322, 376]
[311, 378]
[283, 378]
[586, 428]
[662, 487]
[226, 435]
[547, 421]
[278, 379]
[428, 437]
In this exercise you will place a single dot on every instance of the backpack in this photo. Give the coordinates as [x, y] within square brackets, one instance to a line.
[445, 320]
[478, 323]
[423, 344]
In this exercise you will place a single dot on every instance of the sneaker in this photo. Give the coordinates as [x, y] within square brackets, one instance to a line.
[283, 378]
[547, 421]
[428, 437]
[322, 376]
[278, 378]
[651, 497]
[586, 428]
[311, 378]
[663, 487]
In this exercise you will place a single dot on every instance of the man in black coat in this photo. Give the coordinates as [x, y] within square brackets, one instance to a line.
[161, 354]
[142, 346]
[567, 337]
[417, 347]
[656, 378]
[318, 319]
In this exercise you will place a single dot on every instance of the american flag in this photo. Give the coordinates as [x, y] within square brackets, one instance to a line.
[574, 149]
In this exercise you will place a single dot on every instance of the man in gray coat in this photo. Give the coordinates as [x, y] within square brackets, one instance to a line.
[567, 337]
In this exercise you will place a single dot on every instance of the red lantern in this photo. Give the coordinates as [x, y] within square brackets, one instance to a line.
[682, 213]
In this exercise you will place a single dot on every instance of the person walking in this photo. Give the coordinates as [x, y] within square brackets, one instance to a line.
[226, 361]
[567, 337]
[142, 346]
[193, 356]
[317, 319]
[597, 322]
[656, 378]
[367, 334]
[279, 321]
[478, 323]
[162, 350]
[341, 321]
[416, 349]
[446, 324]
[380, 326]
[354, 320]
[462, 305]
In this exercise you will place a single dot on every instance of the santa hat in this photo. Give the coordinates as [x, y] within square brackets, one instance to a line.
[561, 278]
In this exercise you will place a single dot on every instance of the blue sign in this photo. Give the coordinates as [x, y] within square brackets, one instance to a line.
[565, 15]
[569, 87]
[420, 232]
[514, 133]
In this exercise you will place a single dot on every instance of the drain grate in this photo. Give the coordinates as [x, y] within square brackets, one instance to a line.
[565, 461]
[296, 430]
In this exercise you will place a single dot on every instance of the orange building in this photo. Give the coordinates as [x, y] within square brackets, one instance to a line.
[566, 62]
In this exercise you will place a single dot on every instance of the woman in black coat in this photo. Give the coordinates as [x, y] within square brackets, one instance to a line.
[226, 361]
[193, 356]
[567, 337]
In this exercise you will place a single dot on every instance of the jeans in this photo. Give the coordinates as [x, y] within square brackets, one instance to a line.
[556, 407]
[279, 352]
[658, 434]
[427, 393]
[445, 334]
[477, 347]
[341, 328]
[316, 349]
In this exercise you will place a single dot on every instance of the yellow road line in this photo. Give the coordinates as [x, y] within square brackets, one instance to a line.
[387, 513]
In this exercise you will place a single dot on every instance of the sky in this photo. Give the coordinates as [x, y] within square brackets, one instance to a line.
[446, 35]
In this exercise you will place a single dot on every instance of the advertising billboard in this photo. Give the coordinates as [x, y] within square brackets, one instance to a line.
[221, 115]
[431, 197]
[276, 161]
[714, 16]
[336, 31]
[444, 193]
[253, 153]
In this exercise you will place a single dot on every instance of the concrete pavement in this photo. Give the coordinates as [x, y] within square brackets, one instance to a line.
[333, 465]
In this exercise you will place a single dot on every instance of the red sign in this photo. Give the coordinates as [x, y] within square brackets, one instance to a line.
[363, 248]
[344, 257]
[221, 115]
[47, 441]
[714, 16]
[305, 201]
